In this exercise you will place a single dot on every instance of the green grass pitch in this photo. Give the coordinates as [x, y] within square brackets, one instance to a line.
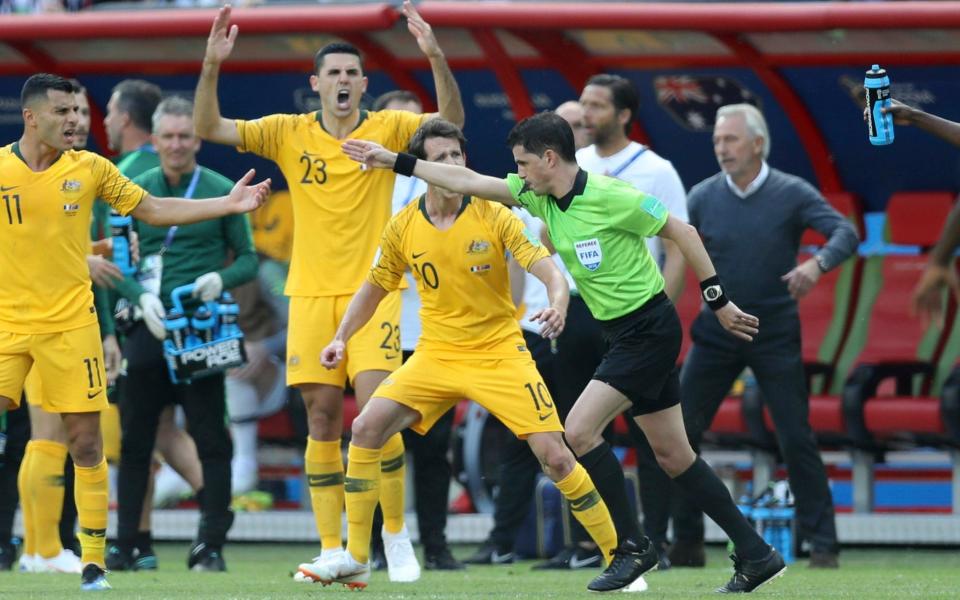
[263, 571]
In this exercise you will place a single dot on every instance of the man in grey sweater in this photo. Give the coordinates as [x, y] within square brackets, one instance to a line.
[751, 218]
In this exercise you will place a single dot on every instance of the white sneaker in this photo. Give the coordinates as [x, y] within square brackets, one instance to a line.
[65, 562]
[169, 487]
[27, 563]
[639, 585]
[333, 554]
[345, 570]
[402, 565]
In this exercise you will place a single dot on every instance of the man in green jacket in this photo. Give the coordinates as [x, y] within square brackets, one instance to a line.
[172, 257]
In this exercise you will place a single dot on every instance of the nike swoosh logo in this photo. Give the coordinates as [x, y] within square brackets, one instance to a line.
[7, 189]
[94, 395]
[416, 256]
[576, 563]
[545, 417]
[497, 558]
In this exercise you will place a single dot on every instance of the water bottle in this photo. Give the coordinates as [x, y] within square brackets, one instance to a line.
[876, 86]
[203, 324]
[229, 313]
[121, 228]
[176, 325]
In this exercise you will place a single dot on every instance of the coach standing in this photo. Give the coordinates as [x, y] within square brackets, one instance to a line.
[751, 218]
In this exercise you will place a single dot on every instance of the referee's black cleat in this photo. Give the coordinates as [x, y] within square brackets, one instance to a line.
[629, 563]
[748, 575]
[204, 557]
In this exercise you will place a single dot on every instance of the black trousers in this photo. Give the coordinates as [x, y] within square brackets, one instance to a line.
[714, 362]
[146, 391]
[579, 350]
[431, 481]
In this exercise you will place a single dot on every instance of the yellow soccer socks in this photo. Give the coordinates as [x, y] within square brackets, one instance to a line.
[362, 487]
[588, 508]
[324, 470]
[91, 495]
[392, 472]
[25, 488]
[45, 491]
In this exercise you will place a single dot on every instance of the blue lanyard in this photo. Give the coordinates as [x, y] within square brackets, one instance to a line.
[629, 162]
[172, 232]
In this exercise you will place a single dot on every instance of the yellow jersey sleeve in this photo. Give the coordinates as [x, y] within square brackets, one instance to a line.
[264, 136]
[521, 242]
[387, 272]
[116, 190]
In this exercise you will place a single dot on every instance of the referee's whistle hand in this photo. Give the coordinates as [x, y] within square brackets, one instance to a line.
[331, 356]
[737, 322]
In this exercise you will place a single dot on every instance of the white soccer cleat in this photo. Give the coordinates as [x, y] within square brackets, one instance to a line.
[639, 585]
[65, 562]
[333, 554]
[345, 570]
[27, 563]
[402, 564]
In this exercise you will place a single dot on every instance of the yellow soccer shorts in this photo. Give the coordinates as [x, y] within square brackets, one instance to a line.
[511, 389]
[67, 365]
[313, 323]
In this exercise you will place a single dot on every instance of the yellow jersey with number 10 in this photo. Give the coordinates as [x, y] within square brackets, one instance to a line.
[339, 208]
[45, 237]
[461, 276]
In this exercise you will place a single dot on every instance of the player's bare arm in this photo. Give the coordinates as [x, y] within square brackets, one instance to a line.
[243, 198]
[362, 306]
[686, 237]
[448, 93]
[207, 120]
[554, 317]
[450, 177]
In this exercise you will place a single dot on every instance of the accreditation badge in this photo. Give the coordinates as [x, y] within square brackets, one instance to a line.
[151, 271]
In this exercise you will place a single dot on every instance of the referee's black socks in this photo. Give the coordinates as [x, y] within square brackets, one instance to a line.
[704, 488]
[607, 475]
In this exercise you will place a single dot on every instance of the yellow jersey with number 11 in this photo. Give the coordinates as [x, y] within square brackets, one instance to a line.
[45, 237]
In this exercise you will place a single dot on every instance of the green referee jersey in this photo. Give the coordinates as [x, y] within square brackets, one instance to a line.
[598, 229]
[197, 248]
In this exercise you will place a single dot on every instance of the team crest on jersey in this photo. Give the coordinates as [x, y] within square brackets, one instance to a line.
[70, 186]
[589, 253]
[478, 247]
[71, 209]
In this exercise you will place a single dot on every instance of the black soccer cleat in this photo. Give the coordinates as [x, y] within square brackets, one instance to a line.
[8, 556]
[572, 557]
[748, 575]
[441, 560]
[120, 559]
[204, 557]
[628, 564]
[489, 554]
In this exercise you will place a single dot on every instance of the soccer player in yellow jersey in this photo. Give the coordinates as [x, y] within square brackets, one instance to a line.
[47, 316]
[471, 346]
[339, 213]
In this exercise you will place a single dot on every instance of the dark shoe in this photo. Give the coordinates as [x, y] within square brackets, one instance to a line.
[93, 579]
[8, 556]
[441, 560]
[663, 551]
[378, 558]
[572, 557]
[824, 560]
[687, 554]
[748, 575]
[120, 559]
[204, 557]
[489, 554]
[629, 563]
[146, 561]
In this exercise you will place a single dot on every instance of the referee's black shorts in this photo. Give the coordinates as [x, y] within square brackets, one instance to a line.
[641, 358]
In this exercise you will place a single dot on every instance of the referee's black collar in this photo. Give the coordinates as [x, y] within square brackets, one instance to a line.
[579, 185]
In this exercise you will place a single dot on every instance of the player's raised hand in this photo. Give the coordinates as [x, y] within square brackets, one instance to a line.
[331, 356]
[552, 322]
[222, 37]
[370, 154]
[245, 197]
[421, 31]
[737, 322]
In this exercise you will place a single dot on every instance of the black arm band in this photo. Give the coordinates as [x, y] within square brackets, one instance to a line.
[405, 164]
[713, 293]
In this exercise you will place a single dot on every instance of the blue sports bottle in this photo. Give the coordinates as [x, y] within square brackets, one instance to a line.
[121, 228]
[876, 87]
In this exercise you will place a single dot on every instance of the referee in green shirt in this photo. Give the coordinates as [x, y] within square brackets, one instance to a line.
[171, 257]
[598, 225]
